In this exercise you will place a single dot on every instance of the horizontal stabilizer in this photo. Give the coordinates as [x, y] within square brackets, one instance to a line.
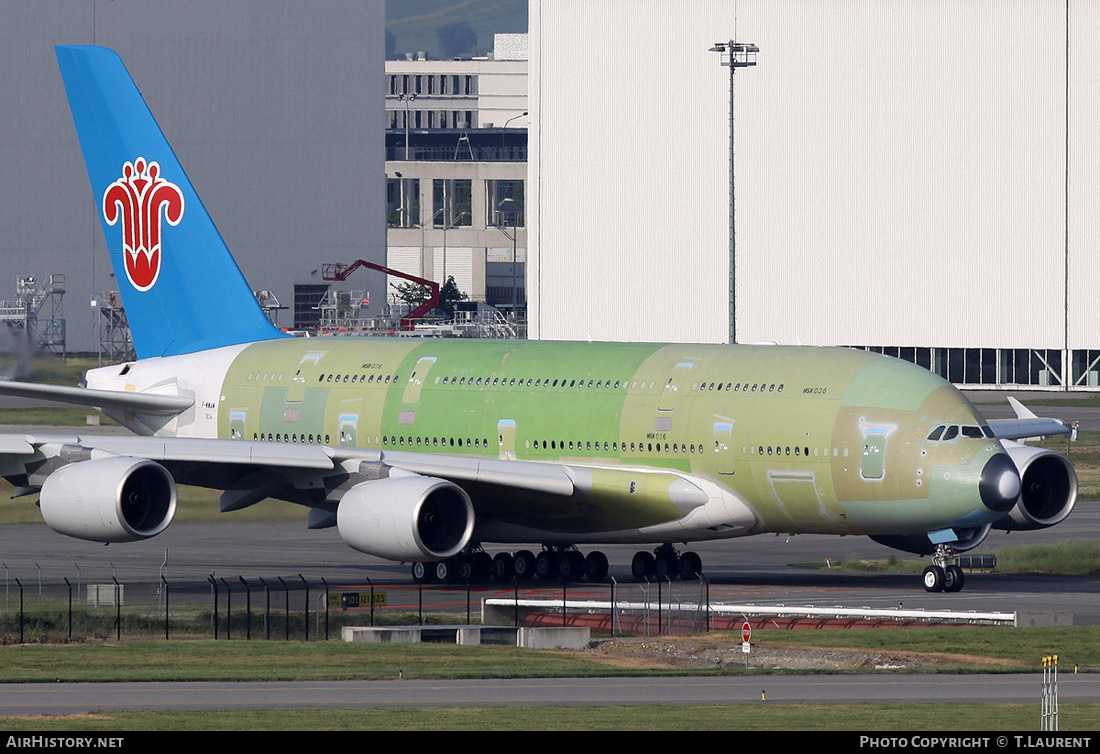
[138, 403]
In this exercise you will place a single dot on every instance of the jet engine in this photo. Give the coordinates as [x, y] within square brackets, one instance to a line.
[119, 499]
[406, 518]
[1048, 489]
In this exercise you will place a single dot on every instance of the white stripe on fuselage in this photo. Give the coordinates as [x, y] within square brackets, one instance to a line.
[195, 375]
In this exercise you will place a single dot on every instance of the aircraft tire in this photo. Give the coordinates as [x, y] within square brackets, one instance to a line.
[595, 566]
[421, 573]
[666, 565]
[691, 565]
[481, 565]
[464, 569]
[933, 578]
[954, 579]
[524, 565]
[642, 566]
[503, 566]
[546, 564]
[444, 571]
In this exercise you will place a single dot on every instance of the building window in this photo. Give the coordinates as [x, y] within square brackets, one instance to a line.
[402, 202]
[504, 202]
[452, 202]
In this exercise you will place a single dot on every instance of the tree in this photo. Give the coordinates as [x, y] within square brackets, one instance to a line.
[449, 295]
[414, 294]
[411, 294]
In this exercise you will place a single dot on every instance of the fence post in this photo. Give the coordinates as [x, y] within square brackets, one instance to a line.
[214, 591]
[247, 609]
[306, 585]
[70, 588]
[118, 609]
[286, 609]
[228, 609]
[371, 583]
[19, 584]
[707, 583]
[325, 583]
[614, 612]
[267, 607]
[564, 589]
[164, 583]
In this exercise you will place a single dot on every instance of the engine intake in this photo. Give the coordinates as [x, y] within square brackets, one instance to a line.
[406, 518]
[1048, 489]
[118, 499]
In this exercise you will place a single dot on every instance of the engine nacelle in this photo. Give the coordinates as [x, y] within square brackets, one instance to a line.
[406, 518]
[920, 544]
[118, 499]
[1048, 489]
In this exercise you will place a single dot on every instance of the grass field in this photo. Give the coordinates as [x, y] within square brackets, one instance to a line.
[761, 716]
[986, 649]
[968, 649]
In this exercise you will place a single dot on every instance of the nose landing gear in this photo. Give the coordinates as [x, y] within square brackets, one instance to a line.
[944, 575]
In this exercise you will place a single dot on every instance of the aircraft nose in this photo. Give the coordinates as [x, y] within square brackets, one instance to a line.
[1000, 484]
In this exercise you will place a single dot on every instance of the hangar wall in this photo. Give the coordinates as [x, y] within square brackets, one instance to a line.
[274, 108]
[915, 174]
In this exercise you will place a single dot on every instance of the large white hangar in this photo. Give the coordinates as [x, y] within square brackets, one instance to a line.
[916, 177]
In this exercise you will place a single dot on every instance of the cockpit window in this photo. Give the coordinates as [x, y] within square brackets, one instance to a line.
[988, 432]
[951, 433]
[972, 431]
[935, 433]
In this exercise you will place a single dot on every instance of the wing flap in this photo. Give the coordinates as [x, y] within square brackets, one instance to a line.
[185, 449]
[549, 478]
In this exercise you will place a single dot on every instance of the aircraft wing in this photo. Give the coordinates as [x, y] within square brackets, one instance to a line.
[1018, 429]
[145, 403]
[1026, 424]
[86, 482]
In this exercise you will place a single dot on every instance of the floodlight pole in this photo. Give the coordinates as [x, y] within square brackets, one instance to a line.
[734, 55]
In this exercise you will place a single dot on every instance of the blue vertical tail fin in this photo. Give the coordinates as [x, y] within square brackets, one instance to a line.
[182, 290]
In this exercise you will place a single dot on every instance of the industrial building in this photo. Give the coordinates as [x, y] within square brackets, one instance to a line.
[917, 177]
[456, 168]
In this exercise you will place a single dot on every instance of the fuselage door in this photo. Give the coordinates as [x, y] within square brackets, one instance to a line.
[349, 425]
[723, 447]
[301, 378]
[670, 396]
[237, 420]
[417, 379]
[873, 464]
[506, 439]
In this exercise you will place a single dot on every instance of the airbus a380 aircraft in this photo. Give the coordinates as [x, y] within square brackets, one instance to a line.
[423, 450]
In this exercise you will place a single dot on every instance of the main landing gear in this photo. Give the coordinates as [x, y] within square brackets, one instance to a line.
[553, 563]
[944, 575]
[665, 563]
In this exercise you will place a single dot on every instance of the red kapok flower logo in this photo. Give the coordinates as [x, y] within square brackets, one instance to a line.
[138, 199]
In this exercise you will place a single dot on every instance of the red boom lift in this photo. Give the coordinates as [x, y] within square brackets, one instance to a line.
[340, 272]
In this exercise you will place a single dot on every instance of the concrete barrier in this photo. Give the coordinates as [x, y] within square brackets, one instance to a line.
[554, 638]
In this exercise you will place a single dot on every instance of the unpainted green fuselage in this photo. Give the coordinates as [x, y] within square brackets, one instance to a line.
[809, 439]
